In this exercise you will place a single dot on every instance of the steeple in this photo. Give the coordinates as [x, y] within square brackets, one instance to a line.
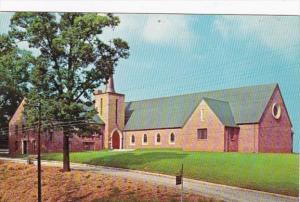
[110, 88]
[111, 109]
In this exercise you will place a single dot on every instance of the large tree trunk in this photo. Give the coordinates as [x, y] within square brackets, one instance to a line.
[66, 158]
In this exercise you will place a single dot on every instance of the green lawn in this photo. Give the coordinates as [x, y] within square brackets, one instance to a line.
[276, 173]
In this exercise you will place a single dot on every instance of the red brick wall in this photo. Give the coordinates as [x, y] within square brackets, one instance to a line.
[275, 134]
[215, 131]
[54, 144]
[48, 144]
[151, 136]
[248, 138]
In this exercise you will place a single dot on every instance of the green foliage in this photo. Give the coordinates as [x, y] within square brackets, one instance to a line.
[278, 173]
[14, 65]
[70, 61]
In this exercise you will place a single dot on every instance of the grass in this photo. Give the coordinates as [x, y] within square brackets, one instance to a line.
[277, 173]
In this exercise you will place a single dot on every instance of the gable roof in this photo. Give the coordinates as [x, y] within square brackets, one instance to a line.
[96, 118]
[222, 110]
[245, 103]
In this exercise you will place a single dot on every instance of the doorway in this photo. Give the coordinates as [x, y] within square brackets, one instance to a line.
[116, 140]
[24, 147]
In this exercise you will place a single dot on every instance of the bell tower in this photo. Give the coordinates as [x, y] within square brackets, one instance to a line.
[111, 108]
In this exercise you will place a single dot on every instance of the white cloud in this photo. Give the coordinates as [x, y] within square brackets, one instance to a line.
[153, 28]
[276, 32]
[167, 28]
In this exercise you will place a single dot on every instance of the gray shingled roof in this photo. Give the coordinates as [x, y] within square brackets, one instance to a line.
[239, 106]
[222, 110]
[96, 118]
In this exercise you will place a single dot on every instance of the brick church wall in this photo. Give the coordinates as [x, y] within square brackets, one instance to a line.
[52, 142]
[275, 135]
[49, 143]
[151, 137]
[215, 131]
[248, 138]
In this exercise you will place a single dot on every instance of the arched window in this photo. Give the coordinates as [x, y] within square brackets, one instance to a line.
[158, 138]
[145, 139]
[132, 142]
[172, 138]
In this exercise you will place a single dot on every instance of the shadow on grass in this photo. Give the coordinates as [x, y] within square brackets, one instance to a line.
[131, 160]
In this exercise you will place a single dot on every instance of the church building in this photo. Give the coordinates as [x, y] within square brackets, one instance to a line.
[244, 119]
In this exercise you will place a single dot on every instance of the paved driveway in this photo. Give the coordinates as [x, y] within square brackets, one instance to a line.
[217, 191]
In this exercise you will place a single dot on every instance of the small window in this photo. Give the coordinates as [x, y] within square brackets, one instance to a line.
[172, 138]
[202, 134]
[132, 141]
[231, 134]
[157, 141]
[145, 139]
[89, 146]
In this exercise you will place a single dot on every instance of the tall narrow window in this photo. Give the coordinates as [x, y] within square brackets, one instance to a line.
[172, 138]
[202, 115]
[116, 111]
[157, 139]
[145, 139]
[101, 106]
[132, 141]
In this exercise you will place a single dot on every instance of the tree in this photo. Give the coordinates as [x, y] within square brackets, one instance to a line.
[72, 62]
[14, 65]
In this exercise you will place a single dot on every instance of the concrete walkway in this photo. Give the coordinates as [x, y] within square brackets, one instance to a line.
[3, 151]
[222, 192]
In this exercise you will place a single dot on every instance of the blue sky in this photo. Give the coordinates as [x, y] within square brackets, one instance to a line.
[178, 54]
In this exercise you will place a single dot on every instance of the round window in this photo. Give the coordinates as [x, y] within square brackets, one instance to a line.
[276, 111]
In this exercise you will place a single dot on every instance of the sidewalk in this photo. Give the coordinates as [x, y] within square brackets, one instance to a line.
[222, 192]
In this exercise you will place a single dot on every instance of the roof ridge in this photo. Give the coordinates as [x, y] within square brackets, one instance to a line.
[208, 98]
[172, 96]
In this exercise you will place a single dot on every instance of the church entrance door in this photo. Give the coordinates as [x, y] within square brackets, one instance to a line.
[116, 140]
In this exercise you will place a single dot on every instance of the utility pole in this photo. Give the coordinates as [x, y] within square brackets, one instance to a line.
[28, 140]
[179, 180]
[39, 157]
[182, 183]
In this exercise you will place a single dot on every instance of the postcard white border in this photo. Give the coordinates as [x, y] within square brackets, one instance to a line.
[256, 7]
